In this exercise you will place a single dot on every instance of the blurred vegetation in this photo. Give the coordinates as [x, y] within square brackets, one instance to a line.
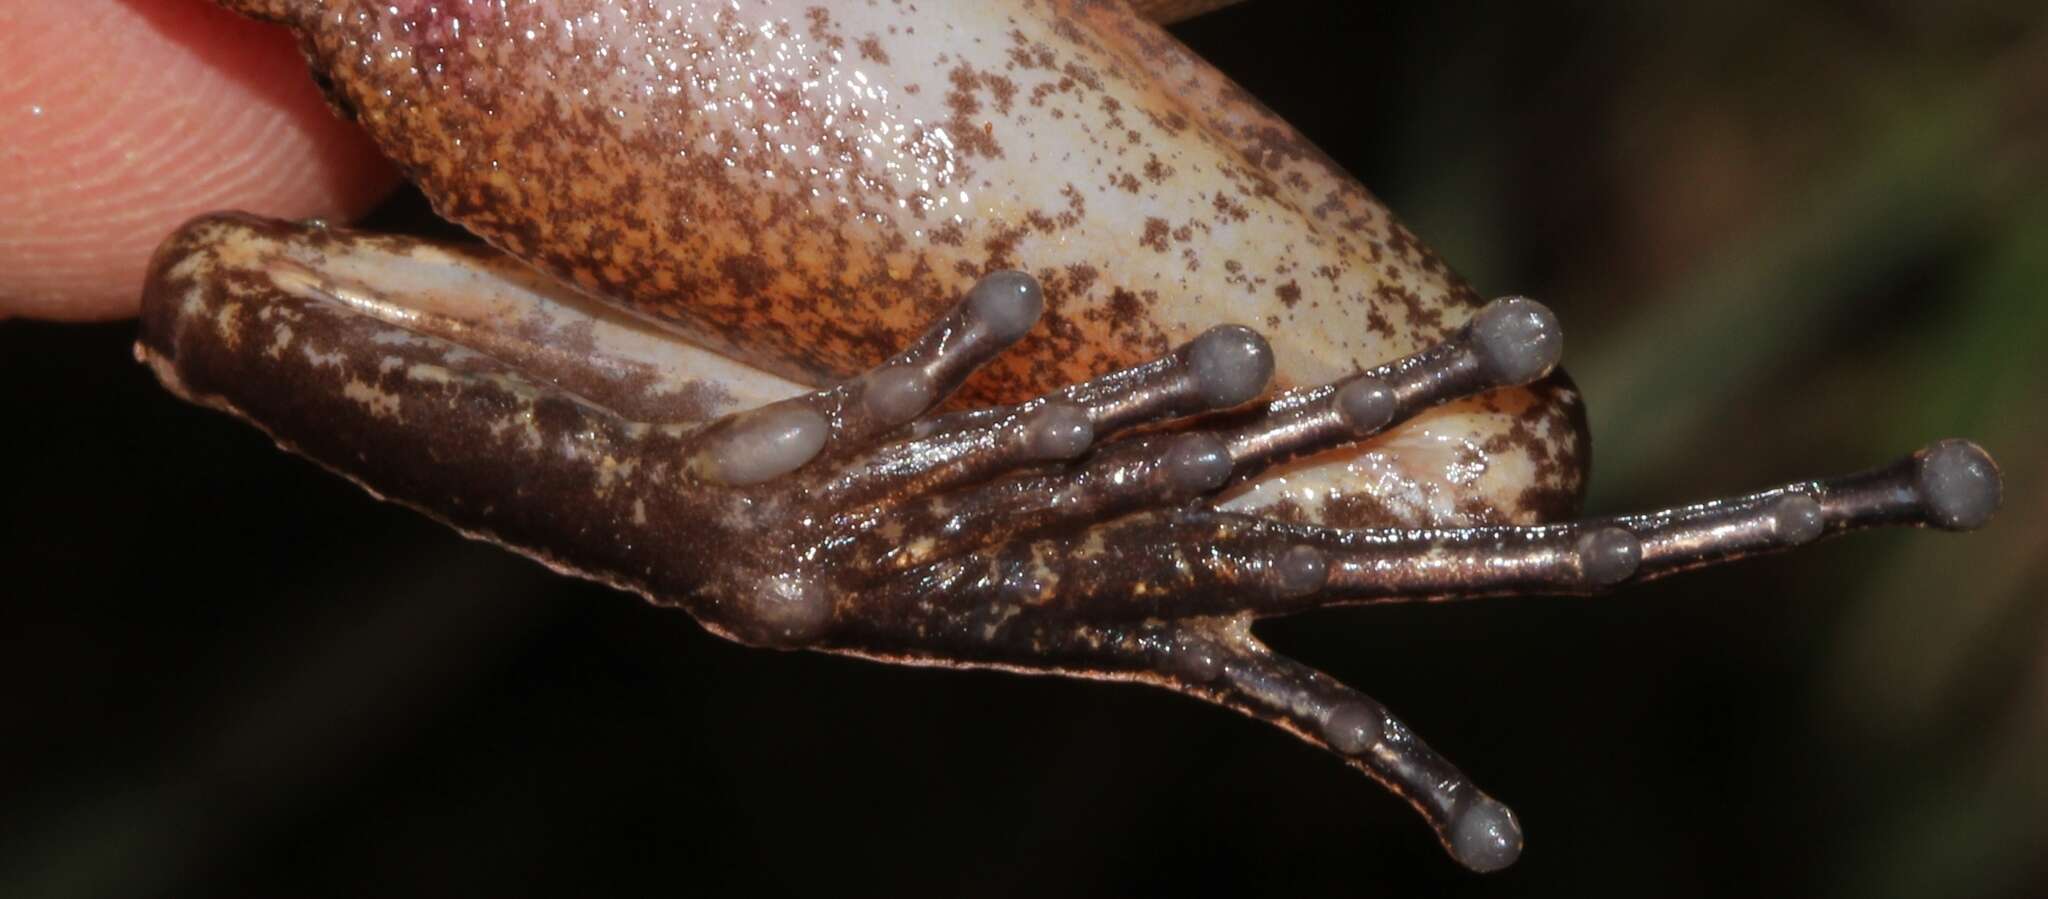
[1785, 239]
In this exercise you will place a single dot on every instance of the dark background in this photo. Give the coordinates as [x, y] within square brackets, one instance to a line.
[1785, 239]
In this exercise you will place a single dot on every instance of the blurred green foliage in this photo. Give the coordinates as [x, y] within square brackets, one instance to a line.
[1786, 239]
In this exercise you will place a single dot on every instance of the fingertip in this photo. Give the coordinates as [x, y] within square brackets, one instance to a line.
[185, 109]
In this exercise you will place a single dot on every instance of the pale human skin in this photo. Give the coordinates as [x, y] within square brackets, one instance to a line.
[187, 108]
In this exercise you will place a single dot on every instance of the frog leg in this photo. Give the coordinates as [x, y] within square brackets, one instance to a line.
[1077, 533]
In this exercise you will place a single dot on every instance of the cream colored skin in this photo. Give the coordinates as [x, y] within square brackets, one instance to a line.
[800, 191]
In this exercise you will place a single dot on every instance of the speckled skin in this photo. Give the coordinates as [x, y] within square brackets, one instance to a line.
[1096, 530]
[801, 186]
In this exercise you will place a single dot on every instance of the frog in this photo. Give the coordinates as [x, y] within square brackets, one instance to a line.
[1001, 336]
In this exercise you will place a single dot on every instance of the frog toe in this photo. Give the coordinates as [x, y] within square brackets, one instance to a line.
[1219, 661]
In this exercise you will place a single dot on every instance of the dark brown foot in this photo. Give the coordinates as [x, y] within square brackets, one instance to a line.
[1075, 533]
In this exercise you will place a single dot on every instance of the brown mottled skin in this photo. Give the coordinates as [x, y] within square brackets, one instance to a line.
[799, 195]
[801, 186]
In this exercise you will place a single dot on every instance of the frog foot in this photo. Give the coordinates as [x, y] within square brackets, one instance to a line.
[1078, 533]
